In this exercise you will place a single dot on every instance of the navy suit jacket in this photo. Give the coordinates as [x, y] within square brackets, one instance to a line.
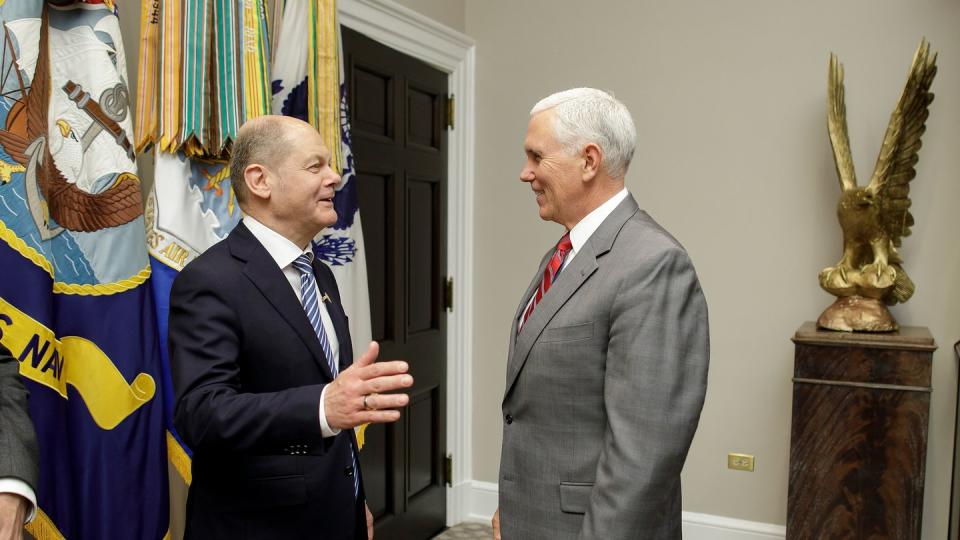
[248, 371]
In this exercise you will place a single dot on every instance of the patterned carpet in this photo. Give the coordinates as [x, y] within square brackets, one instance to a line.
[467, 531]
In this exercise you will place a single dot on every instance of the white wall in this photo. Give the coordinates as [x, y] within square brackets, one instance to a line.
[734, 159]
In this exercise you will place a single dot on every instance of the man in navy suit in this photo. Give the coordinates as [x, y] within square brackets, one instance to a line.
[267, 390]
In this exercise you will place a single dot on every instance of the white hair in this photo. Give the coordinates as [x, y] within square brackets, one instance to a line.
[588, 115]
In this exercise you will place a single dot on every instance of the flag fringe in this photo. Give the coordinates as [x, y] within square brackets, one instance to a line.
[42, 527]
[179, 459]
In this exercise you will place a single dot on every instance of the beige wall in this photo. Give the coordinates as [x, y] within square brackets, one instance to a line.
[449, 12]
[734, 159]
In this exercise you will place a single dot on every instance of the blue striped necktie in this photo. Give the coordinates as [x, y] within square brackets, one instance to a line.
[308, 292]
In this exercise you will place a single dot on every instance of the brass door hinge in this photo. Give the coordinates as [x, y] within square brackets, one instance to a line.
[450, 108]
[448, 294]
[448, 470]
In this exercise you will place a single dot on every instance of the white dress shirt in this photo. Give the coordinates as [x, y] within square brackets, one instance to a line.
[284, 252]
[19, 487]
[580, 233]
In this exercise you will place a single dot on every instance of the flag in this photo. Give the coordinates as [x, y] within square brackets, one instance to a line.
[192, 205]
[146, 124]
[190, 208]
[208, 79]
[202, 73]
[75, 305]
[308, 44]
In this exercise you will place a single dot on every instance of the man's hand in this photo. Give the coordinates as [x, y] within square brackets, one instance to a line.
[355, 398]
[369, 521]
[496, 524]
[13, 512]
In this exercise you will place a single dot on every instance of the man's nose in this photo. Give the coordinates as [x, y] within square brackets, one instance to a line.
[526, 175]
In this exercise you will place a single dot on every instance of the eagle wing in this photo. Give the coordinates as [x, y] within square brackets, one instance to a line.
[837, 126]
[890, 183]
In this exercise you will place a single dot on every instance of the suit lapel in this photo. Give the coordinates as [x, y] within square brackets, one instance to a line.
[266, 276]
[328, 290]
[571, 278]
[526, 299]
[327, 285]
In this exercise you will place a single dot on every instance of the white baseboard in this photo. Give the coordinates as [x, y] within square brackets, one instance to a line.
[480, 500]
[710, 527]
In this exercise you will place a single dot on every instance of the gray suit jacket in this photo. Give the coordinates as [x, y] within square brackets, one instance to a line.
[19, 453]
[605, 384]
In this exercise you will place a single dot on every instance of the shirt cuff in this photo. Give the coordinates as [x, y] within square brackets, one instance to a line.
[325, 428]
[19, 487]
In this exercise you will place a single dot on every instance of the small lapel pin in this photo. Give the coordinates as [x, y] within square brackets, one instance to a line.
[325, 297]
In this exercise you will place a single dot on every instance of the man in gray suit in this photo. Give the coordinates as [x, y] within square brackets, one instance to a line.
[19, 454]
[609, 346]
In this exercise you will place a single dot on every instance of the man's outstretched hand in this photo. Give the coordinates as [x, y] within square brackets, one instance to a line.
[356, 396]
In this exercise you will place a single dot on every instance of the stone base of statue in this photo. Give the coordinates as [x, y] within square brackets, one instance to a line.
[858, 444]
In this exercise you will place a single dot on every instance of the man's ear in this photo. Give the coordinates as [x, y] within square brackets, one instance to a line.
[592, 160]
[256, 178]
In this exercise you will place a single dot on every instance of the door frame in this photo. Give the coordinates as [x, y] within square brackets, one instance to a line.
[454, 53]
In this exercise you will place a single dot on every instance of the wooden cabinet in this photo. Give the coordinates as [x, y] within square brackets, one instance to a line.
[858, 445]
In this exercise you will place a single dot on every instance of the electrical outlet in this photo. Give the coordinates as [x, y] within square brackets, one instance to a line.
[740, 462]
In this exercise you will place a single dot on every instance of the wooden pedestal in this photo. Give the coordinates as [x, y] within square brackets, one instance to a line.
[858, 445]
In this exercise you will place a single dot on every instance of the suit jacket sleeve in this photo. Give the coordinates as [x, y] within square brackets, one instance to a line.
[19, 452]
[654, 389]
[211, 409]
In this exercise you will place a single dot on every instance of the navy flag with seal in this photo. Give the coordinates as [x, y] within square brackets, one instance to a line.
[75, 305]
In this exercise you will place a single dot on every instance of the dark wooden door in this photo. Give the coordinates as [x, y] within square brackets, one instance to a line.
[397, 110]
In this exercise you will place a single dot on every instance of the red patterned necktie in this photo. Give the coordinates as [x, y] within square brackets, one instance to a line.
[549, 275]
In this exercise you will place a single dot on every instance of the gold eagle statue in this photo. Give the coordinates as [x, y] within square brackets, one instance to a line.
[875, 218]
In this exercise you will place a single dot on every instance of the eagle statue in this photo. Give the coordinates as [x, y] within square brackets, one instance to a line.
[875, 218]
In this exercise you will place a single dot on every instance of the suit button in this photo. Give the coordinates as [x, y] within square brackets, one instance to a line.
[348, 470]
[508, 419]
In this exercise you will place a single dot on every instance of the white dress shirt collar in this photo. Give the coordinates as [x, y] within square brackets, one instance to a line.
[582, 231]
[280, 248]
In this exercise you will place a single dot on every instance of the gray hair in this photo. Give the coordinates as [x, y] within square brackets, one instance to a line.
[263, 141]
[588, 115]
